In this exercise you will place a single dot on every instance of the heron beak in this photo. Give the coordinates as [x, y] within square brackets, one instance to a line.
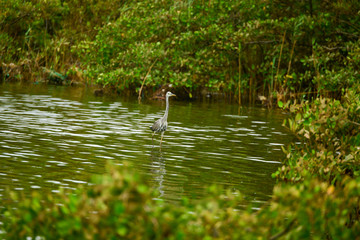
[173, 95]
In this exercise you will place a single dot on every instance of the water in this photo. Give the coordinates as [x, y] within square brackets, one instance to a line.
[53, 137]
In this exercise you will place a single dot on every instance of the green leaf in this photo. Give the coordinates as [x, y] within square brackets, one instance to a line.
[142, 188]
[280, 104]
[28, 217]
[306, 122]
[64, 226]
[119, 208]
[122, 230]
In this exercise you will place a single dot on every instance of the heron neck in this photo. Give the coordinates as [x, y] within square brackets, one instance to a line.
[167, 108]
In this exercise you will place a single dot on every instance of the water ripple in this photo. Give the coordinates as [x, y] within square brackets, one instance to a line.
[49, 137]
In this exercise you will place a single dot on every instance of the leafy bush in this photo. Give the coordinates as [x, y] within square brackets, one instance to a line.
[38, 34]
[195, 44]
[272, 48]
[330, 139]
[314, 209]
[120, 204]
[116, 205]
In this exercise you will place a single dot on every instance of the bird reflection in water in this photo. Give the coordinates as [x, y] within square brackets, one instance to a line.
[158, 170]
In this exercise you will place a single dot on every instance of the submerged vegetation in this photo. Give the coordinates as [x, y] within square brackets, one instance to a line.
[306, 51]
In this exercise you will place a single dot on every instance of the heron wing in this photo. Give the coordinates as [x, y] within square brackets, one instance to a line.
[159, 125]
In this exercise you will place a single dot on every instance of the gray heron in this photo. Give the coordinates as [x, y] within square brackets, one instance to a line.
[160, 125]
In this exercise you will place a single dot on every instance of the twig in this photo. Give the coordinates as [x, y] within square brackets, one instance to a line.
[261, 42]
[333, 48]
[142, 85]
[16, 19]
[354, 122]
[305, 93]
[280, 234]
[296, 135]
[289, 65]
[239, 74]
[350, 24]
[278, 68]
[348, 34]
[315, 64]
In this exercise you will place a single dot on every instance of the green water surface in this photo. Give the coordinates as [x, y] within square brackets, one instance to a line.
[56, 136]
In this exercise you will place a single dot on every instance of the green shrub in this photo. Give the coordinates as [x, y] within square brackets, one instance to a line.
[120, 204]
[195, 44]
[272, 48]
[116, 205]
[330, 139]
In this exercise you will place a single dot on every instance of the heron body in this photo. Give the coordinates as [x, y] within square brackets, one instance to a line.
[161, 124]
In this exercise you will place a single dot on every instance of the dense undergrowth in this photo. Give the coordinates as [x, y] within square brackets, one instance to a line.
[278, 49]
[121, 206]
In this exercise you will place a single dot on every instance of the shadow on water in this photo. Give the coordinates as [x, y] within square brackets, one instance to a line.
[58, 136]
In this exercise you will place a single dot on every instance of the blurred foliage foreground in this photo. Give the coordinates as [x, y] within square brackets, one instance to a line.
[317, 195]
[273, 48]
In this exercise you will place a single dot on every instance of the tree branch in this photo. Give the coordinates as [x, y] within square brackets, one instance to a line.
[142, 85]
[287, 229]
[262, 42]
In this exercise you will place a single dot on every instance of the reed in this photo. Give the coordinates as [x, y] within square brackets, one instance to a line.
[289, 65]
[278, 67]
[239, 83]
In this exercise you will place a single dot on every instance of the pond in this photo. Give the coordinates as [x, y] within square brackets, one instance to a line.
[56, 136]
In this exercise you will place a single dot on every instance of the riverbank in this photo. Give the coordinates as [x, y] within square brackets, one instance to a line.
[272, 50]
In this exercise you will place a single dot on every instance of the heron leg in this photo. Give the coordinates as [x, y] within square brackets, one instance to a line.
[152, 139]
[162, 135]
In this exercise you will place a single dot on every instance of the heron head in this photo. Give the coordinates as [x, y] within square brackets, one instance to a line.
[170, 94]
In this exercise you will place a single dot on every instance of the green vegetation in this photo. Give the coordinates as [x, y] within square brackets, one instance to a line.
[278, 49]
[303, 50]
[330, 140]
